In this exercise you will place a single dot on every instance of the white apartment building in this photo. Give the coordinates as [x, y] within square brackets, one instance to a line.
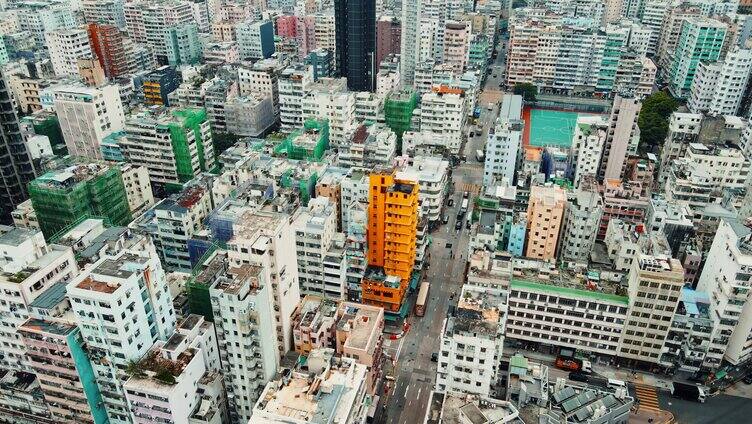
[122, 306]
[87, 115]
[655, 284]
[534, 56]
[148, 142]
[335, 268]
[355, 189]
[24, 216]
[726, 278]
[622, 130]
[153, 396]
[652, 13]
[369, 146]
[262, 78]
[555, 309]
[249, 116]
[409, 40]
[683, 129]
[294, 83]
[705, 170]
[504, 145]
[433, 16]
[369, 107]
[137, 187]
[267, 239]
[41, 17]
[66, 46]
[243, 308]
[415, 143]
[315, 228]
[328, 388]
[471, 343]
[146, 22]
[29, 267]
[109, 12]
[324, 32]
[581, 220]
[444, 110]
[588, 141]
[691, 330]
[702, 91]
[388, 80]
[330, 99]
[178, 218]
[622, 244]
[718, 87]
[429, 73]
[432, 175]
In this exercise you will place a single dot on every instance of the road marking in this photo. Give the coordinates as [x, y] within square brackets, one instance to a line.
[419, 389]
[407, 390]
[399, 349]
[648, 397]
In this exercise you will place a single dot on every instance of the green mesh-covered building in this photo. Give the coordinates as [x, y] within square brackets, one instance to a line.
[174, 144]
[398, 112]
[70, 193]
[309, 143]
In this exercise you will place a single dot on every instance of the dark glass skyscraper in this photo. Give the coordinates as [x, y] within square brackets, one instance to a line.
[355, 22]
[16, 166]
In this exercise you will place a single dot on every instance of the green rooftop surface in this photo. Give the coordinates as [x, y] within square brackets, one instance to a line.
[552, 127]
[518, 361]
[570, 291]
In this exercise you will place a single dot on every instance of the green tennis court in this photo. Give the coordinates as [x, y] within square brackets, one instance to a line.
[551, 127]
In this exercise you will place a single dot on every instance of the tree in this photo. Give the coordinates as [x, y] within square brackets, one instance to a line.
[526, 90]
[653, 119]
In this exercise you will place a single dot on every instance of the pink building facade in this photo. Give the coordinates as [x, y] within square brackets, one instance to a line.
[287, 26]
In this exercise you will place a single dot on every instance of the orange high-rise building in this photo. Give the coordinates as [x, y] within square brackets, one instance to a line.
[392, 230]
[107, 43]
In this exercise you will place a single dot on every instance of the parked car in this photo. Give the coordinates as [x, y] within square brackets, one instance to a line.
[747, 379]
[450, 203]
[434, 357]
[445, 219]
[579, 376]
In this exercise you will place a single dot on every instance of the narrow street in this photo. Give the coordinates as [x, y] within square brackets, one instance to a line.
[415, 373]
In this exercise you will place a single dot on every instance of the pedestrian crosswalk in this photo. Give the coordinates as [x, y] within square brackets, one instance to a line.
[648, 397]
[473, 189]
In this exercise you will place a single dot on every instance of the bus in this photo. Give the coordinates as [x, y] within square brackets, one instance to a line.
[420, 304]
[464, 206]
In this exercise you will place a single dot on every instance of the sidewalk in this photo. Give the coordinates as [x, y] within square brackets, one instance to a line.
[648, 379]
[644, 416]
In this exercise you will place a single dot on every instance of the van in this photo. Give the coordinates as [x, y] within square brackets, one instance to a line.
[578, 376]
[615, 384]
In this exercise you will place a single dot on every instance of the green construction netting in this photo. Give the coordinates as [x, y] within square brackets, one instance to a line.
[316, 129]
[58, 207]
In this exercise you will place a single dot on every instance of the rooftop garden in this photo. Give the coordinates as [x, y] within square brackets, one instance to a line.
[154, 366]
